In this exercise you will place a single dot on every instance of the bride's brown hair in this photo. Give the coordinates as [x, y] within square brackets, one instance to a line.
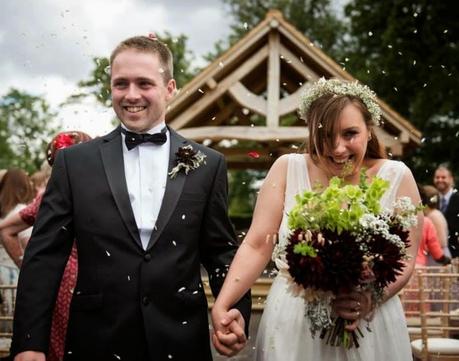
[322, 118]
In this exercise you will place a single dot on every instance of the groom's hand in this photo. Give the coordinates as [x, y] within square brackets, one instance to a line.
[229, 336]
[30, 356]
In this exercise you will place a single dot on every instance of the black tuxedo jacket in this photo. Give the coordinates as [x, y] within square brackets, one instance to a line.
[128, 303]
[452, 217]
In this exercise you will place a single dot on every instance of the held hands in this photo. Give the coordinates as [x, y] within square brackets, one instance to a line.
[228, 336]
[30, 356]
[353, 306]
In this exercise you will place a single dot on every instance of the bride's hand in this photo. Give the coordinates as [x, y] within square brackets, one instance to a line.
[228, 334]
[353, 306]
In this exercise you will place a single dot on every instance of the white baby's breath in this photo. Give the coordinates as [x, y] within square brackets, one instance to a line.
[341, 87]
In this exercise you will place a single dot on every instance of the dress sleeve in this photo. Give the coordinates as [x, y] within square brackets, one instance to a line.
[29, 213]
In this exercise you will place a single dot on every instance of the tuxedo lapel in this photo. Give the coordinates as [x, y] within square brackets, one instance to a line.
[112, 158]
[173, 189]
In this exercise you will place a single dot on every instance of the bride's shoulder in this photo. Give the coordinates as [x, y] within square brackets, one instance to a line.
[280, 165]
[382, 166]
[284, 160]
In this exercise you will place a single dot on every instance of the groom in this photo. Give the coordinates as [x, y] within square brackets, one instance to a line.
[146, 208]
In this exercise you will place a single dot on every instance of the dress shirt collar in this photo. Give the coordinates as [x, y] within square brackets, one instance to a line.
[156, 129]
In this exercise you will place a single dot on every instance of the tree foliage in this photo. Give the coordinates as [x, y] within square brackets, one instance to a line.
[408, 52]
[26, 126]
[98, 83]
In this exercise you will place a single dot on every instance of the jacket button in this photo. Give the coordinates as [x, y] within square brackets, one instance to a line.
[147, 257]
[145, 300]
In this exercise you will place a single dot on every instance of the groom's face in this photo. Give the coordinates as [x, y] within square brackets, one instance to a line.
[139, 91]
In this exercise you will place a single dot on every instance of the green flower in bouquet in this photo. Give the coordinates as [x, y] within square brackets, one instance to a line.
[338, 207]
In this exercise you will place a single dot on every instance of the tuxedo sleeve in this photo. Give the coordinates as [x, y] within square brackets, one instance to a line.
[218, 239]
[44, 261]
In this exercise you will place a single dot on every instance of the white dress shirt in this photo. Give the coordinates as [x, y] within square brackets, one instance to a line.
[145, 168]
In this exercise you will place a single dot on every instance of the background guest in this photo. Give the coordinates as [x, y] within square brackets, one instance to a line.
[15, 192]
[449, 205]
[431, 211]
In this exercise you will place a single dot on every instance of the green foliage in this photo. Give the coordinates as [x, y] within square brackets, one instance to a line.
[26, 126]
[98, 83]
[338, 207]
[407, 51]
[242, 193]
[305, 249]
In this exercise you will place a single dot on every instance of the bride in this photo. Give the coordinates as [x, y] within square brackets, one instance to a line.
[341, 117]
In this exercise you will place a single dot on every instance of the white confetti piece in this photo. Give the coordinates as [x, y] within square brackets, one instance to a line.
[183, 216]
[181, 289]
[108, 253]
[174, 243]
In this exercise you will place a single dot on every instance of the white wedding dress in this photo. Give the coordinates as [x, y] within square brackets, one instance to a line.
[283, 333]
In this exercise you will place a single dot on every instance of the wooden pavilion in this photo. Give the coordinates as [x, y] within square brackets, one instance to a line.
[246, 100]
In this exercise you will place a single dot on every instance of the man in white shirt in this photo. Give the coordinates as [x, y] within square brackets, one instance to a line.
[449, 205]
[146, 208]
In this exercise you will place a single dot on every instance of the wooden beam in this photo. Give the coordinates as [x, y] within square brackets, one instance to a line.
[291, 103]
[312, 52]
[257, 133]
[272, 119]
[211, 83]
[238, 50]
[211, 96]
[293, 61]
[247, 99]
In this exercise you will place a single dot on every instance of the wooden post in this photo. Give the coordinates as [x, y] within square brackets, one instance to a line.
[272, 119]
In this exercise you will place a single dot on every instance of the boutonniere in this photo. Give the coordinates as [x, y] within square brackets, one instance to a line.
[187, 160]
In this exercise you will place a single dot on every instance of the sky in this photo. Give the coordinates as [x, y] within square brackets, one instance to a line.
[47, 46]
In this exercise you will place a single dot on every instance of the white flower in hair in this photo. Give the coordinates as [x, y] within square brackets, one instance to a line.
[340, 87]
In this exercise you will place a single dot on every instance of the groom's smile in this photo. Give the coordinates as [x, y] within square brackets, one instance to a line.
[137, 109]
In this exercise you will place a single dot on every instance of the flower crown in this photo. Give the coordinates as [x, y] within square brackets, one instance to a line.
[340, 87]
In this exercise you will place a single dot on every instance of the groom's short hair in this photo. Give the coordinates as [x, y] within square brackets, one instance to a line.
[148, 45]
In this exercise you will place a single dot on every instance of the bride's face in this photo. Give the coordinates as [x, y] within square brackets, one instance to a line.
[350, 141]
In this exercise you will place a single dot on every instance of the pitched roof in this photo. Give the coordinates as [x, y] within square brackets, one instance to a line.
[261, 78]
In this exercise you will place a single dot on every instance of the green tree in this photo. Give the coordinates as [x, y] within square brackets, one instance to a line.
[408, 52]
[26, 126]
[243, 190]
[314, 18]
[98, 83]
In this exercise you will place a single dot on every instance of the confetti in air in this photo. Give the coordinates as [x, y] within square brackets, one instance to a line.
[253, 154]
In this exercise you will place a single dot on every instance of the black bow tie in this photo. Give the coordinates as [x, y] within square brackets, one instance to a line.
[132, 140]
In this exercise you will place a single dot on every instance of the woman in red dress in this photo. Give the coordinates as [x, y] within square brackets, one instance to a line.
[10, 228]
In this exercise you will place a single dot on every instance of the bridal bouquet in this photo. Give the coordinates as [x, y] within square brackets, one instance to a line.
[342, 240]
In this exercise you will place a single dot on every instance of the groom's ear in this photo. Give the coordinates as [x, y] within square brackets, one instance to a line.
[171, 88]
